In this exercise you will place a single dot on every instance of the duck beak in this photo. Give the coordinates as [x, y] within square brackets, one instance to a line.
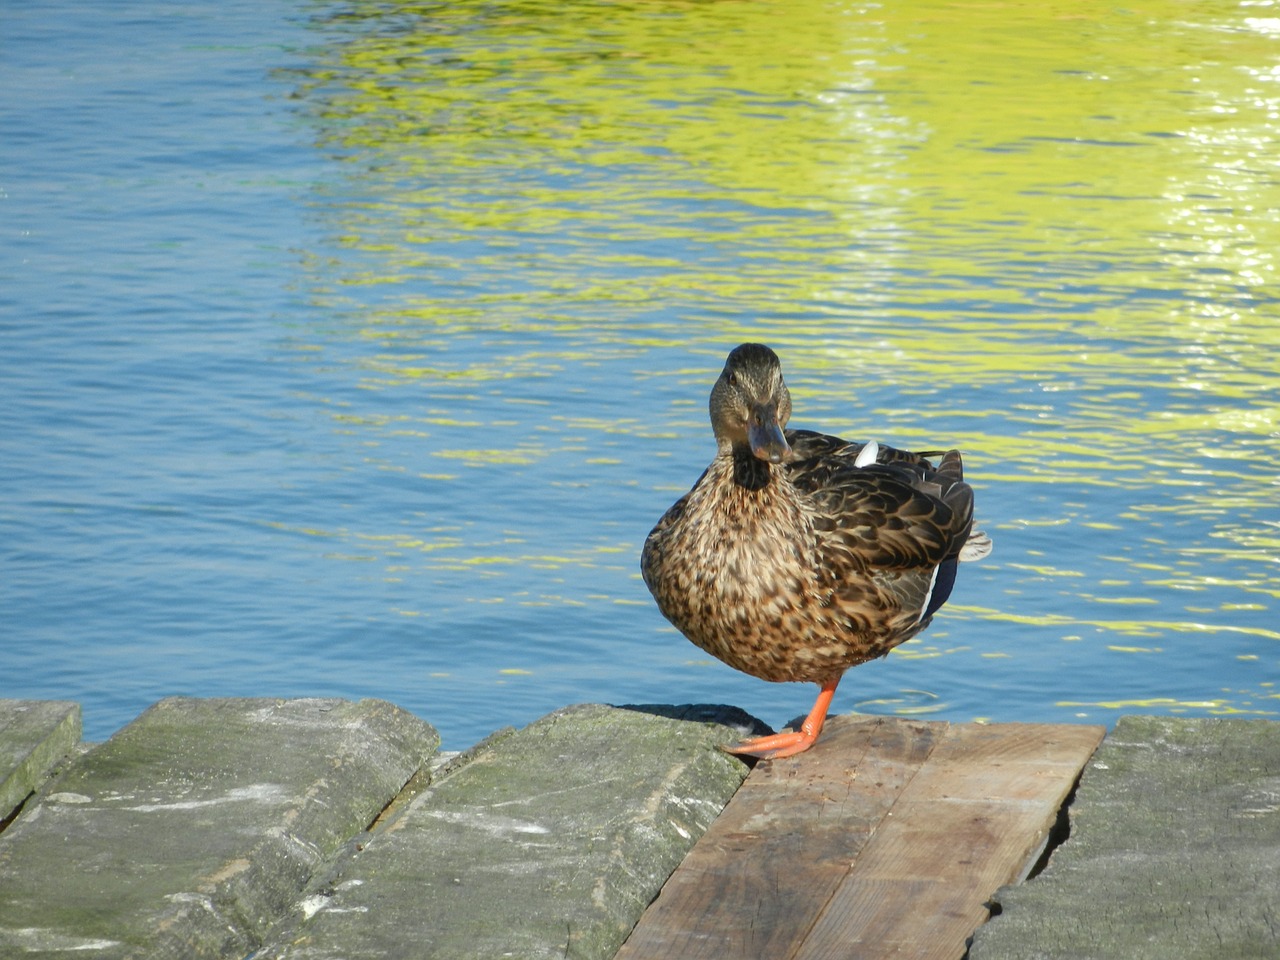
[765, 434]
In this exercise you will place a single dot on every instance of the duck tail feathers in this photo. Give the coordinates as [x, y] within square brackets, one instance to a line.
[951, 465]
[976, 547]
[977, 544]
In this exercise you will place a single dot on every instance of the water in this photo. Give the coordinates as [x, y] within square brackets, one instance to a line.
[353, 350]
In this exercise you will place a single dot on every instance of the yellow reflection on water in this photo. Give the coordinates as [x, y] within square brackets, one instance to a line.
[1044, 232]
[1046, 192]
[1216, 707]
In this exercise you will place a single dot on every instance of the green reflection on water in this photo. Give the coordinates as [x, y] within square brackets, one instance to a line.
[1045, 190]
[1044, 231]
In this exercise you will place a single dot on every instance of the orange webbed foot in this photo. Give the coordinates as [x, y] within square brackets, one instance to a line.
[791, 742]
[773, 747]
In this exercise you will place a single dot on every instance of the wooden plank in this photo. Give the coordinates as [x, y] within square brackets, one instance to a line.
[758, 879]
[967, 824]
[886, 839]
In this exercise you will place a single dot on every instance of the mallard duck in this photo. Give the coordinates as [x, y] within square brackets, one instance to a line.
[798, 555]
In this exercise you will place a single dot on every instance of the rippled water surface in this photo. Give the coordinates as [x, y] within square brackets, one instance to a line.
[352, 349]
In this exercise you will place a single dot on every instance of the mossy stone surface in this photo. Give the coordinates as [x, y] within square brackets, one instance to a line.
[193, 830]
[547, 842]
[34, 736]
[1174, 851]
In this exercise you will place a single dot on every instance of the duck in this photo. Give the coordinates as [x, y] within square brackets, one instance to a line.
[797, 555]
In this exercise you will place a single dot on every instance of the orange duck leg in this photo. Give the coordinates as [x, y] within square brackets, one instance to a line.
[798, 741]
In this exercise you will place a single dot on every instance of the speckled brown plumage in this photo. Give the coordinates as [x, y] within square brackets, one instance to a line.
[791, 558]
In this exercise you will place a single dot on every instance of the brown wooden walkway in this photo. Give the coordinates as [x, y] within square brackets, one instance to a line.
[887, 839]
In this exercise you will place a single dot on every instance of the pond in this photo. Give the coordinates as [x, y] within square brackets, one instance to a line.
[353, 349]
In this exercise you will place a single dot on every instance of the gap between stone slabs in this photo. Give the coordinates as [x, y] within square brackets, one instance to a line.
[35, 735]
[192, 830]
[547, 842]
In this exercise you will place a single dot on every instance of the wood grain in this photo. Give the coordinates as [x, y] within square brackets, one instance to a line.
[885, 839]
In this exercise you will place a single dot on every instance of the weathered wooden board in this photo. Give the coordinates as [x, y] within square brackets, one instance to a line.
[970, 820]
[886, 839]
[759, 877]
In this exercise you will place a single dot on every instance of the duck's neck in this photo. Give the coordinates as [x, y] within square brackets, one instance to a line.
[750, 472]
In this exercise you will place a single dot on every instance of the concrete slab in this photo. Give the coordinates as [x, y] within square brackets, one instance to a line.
[1174, 852]
[193, 829]
[548, 842]
[34, 736]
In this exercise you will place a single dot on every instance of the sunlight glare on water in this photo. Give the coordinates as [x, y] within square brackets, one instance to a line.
[407, 440]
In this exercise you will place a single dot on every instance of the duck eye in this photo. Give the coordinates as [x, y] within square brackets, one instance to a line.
[733, 379]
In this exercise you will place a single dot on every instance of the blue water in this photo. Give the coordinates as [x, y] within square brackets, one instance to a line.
[287, 409]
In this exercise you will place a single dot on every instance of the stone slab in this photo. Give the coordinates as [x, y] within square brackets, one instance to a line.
[1174, 851]
[34, 736]
[548, 842]
[193, 829]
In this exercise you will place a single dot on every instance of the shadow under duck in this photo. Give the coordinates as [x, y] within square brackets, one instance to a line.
[798, 555]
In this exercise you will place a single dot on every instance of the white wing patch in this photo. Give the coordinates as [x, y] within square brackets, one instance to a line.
[928, 594]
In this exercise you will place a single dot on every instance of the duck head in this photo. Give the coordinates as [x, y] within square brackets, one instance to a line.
[750, 404]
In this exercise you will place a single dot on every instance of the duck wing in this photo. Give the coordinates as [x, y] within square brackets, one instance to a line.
[900, 512]
[813, 448]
